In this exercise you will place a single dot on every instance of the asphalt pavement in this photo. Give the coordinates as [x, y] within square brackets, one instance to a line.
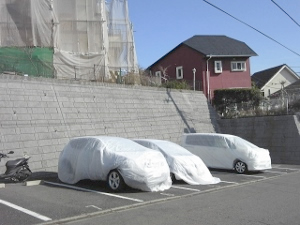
[273, 201]
[269, 197]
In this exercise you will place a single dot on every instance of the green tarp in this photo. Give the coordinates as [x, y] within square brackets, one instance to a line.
[34, 61]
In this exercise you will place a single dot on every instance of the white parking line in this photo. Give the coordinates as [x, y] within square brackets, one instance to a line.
[282, 168]
[166, 194]
[88, 190]
[228, 182]
[31, 213]
[184, 188]
[93, 206]
[251, 176]
[271, 171]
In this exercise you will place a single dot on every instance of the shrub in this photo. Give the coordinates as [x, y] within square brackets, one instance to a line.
[226, 98]
[177, 84]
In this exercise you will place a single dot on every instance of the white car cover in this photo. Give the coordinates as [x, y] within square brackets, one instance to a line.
[94, 157]
[183, 164]
[223, 150]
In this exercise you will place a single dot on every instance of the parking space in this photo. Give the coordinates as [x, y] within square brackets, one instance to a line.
[52, 200]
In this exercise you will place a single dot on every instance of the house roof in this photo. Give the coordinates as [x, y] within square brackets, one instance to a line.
[261, 78]
[219, 45]
[215, 46]
[295, 85]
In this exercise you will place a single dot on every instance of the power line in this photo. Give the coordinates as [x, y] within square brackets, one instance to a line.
[286, 13]
[252, 27]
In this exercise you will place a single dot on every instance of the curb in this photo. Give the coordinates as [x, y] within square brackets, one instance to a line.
[33, 183]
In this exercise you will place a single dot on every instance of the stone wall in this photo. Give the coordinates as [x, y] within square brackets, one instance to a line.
[279, 134]
[38, 116]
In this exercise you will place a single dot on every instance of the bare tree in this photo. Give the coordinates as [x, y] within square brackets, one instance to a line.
[164, 71]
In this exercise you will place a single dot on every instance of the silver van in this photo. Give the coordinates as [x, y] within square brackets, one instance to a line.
[224, 151]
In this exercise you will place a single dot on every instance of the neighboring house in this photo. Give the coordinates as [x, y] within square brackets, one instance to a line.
[274, 79]
[292, 92]
[216, 62]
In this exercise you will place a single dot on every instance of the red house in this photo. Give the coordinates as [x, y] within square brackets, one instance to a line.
[207, 63]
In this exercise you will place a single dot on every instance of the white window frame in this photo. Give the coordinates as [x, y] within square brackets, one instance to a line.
[218, 67]
[158, 74]
[238, 66]
[179, 72]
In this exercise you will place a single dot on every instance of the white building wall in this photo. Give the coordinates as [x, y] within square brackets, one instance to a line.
[280, 80]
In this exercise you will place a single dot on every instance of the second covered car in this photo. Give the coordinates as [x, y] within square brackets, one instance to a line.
[183, 164]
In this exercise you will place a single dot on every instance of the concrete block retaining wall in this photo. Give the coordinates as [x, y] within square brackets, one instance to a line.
[38, 116]
[279, 134]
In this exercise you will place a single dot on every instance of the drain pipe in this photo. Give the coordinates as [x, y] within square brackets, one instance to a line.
[207, 78]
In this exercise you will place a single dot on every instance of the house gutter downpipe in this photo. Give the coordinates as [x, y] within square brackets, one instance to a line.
[207, 77]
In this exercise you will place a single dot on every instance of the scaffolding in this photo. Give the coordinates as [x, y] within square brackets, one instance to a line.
[66, 39]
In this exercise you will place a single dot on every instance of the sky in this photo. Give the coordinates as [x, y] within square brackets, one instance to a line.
[161, 25]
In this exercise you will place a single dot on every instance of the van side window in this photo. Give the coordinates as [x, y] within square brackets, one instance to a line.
[200, 140]
[220, 142]
[194, 140]
[209, 141]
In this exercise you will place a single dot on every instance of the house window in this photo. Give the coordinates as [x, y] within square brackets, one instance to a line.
[218, 66]
[179, 72]
[238, 66]
[158, 73]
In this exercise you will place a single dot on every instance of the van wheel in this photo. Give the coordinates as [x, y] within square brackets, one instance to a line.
[240, 167]
[115, 181]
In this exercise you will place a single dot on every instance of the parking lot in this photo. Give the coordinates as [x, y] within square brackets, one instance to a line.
[51, 200]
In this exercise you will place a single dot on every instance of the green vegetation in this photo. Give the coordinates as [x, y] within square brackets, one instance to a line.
[237, 102]
[175, 84]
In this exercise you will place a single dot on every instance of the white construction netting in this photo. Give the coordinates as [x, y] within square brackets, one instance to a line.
[89, 38]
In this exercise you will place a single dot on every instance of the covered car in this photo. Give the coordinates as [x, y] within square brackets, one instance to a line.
[183, 164]
[116, 160]
[224, 151]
